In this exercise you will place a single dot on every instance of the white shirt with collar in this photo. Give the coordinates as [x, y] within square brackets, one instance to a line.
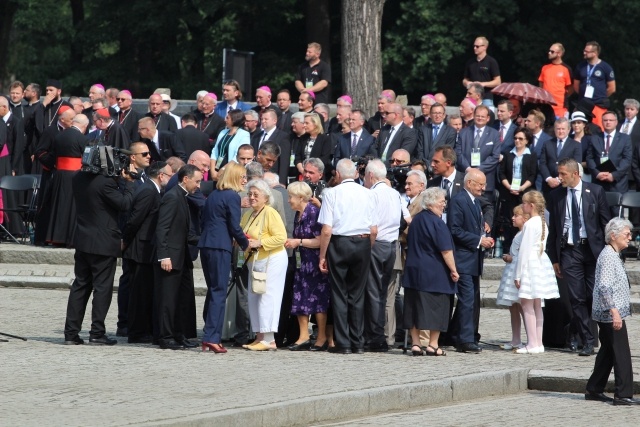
[392, 134]
[267, 134]
[348, 209]
[536, 138]
[156, 140]
[631, 122]
[7, 116]
[156, 185]
[568, 226]
[388, 211]
[604, 138]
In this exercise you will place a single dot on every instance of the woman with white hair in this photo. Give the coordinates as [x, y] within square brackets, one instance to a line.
[267, 235]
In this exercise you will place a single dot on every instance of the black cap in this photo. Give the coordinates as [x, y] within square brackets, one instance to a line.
[54, 83]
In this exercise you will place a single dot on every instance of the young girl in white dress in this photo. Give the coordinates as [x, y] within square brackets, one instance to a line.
[534, 276]
[507, 291]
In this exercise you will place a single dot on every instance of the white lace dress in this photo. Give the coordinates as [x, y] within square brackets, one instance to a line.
[534, 269]
[507, 291]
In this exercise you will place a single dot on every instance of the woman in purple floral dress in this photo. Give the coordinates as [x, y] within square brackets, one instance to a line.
[311, 289]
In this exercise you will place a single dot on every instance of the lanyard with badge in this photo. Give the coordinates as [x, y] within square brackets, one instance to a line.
[588, 91]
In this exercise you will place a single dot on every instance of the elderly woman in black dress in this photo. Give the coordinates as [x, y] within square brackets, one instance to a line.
[430, 274]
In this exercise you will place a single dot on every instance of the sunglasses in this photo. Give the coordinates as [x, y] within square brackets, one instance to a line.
[144, 153]
[122, 99]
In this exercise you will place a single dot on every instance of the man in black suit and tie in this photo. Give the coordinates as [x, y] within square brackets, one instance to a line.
[554, 150]
[161, 120]
[271, 133]
[162, 144]
[395, 134]
[99, 201]
[578, 215]
[505, 126]
[467, 226]
[616, 147]
[284, 102]
[478, 147]
[174, 268]
[357, 143]
[631, 127]
[434, 134]
[191, 138]
[535, 123]
[138, 242]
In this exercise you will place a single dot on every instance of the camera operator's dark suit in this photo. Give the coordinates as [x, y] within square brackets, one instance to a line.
[173, 237]
[169, 146]
[99, 200]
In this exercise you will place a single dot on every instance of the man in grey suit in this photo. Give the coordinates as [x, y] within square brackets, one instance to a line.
[554, 150]
[479, 147]
[357, 143]
[434, 134]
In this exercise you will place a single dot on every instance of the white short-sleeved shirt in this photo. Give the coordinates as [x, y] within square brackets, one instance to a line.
[388, 207]
[348, 209]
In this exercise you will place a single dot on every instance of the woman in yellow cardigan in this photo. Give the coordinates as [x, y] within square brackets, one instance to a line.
[267, 236]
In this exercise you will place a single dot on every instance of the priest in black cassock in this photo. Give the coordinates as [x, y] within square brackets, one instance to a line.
[208, 121]
[52, 103]
[33, 124]
[127, 118]
[109, 131]
[163, 121]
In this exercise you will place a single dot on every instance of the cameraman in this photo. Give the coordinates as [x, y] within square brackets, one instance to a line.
[313, 172]
[99, 200]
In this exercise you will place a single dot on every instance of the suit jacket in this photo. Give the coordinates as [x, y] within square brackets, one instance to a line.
[595, 211]
[115, 136]
[366, 145]
[169, 147]
[635, 142]
[284, 122]
[549, 158]
[426, 146]
[15, 142]
[466, 227]
[221, 222]
[139, 234]
[272, 106]
[281, 167]
[529, 172]
[620, 154]
[544, 137]
[507, 142]
[129, 122]
[212, 128]
[489, 152]
[456, 187]
[193, 139]
[173, 231]
[404, 138]
[99, 201]
[196, 203]
[322, 150]
[222, 108]
[165, 122]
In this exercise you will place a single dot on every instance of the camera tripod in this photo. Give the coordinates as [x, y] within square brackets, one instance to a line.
[11, 336]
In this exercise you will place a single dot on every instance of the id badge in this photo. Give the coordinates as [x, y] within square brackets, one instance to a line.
[298, 260]
[515, 184]
[240, 259]
[308, 83]
[444, 217]
[603, 157]
[292, 161]
[588, 91]
[475, 157]
[219, 161]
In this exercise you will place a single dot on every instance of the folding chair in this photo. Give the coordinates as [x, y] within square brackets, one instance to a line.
[18, 183]
[613, 199]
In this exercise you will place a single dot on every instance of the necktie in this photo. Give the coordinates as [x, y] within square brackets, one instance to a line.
[264, 135]
[625, 128]
[501, 133]
[560, 144]
[478, 210]
[156, 119]
[435, 132]
[446, 184]
[608, 144]
[229, 109]
[353, 144]
[575, 218]
[386, 145]
[476, 141]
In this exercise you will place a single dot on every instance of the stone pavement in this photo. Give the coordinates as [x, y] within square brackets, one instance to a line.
[43, 382]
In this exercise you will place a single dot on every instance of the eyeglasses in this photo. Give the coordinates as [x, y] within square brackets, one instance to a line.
[481, 184]
[397, 161]
[144, 153]
[122, 99]
[519, 138]
[475, 46]
[553, 51]
[386, 113]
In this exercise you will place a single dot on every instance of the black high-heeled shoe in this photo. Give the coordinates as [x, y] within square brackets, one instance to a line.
[323, 347]
[417, 352]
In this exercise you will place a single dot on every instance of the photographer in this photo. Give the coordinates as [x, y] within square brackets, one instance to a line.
[313, 169]
[99, 200]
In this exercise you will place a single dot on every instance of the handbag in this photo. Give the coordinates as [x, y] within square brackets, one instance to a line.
[259, 278]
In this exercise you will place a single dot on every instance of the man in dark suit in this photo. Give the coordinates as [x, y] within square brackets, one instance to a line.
[191, 138]
[252, 125]
[554, 150]
[271, 133]
[284, 102]
[616, 147]
[99, 200]
[127, 118]
[434, 134]
[161, 120]
[138, 241]
[111, 133]
[631, 127]
[478, 146]
[174, 269]
[395, 134]
[466, 223]
[162, 144]
[208, 121]
[15, 136]
[505, 126]
[578, 214]
[357, 143]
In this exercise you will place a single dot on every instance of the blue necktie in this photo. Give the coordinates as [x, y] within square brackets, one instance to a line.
[435, 132]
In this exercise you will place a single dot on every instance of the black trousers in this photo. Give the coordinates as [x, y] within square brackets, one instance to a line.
[614, 353]
[176, 302]
[140, 298]
[94, 273]
[349, 260]
[124, 294]
[579, 271]
[383, 257]
[464, 324]
[288, 327]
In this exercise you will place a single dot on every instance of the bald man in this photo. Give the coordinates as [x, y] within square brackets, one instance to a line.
[161, 120]
[395, 134]
[207, 120]
[162, 144]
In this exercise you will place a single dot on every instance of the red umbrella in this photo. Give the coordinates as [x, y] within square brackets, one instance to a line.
[524, 92]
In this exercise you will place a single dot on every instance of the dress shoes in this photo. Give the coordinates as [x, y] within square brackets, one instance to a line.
[74, 341]
[339, 350]
[144, 339]
[358, 350]
[625, 401]
[216, 348]
[469, 347]
[103, 340]
[532, 350]
[303, 346]
[186, 343]
[170, 345]
[261, 347]
[378, 347]
[122, 332]
[600, 397]
[587, 350]
[323, 347]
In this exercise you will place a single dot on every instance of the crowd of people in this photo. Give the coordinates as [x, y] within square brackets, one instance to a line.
[373, 205]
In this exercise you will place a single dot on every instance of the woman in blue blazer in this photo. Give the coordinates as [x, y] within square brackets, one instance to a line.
[220, 225]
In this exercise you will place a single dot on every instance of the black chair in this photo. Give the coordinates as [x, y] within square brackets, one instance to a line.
[614, 199]
[19, 183]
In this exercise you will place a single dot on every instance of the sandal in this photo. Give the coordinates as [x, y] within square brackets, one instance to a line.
[416, 352]
[435, 351]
